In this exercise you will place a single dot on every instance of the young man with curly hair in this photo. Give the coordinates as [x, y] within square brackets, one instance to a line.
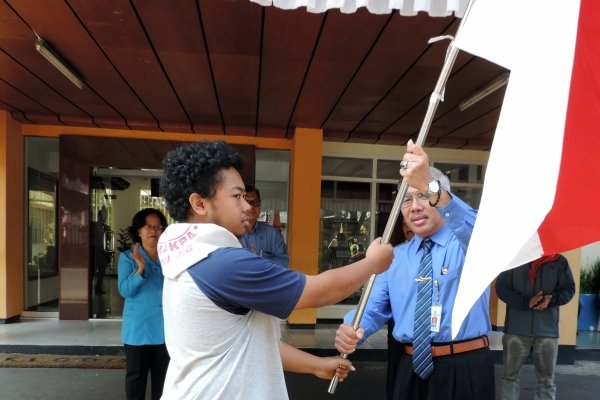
[223, 303]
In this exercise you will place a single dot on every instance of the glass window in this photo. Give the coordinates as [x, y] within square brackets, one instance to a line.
[462, 173]
[386, 194]
[466, 180]
[345, 225]
[347, 167]
[471, 195]
[41, 269]
[152, 199]
[272, 177]
[388, 169]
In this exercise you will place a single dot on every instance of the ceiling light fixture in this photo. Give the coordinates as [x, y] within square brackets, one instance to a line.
[57, 61]
[485, 91]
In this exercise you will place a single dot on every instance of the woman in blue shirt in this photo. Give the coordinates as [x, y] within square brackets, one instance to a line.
[141, 284]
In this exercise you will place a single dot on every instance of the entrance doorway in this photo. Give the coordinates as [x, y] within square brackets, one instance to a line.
[116, 195]
[78, 157]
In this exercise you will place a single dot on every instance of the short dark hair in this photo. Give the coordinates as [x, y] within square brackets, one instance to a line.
[252, 189]
[139, 220]
[195, 168]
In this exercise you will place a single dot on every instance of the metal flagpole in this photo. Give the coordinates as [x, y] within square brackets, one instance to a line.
[434, 100]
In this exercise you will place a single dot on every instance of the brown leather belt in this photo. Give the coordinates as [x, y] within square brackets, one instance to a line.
[453, 348]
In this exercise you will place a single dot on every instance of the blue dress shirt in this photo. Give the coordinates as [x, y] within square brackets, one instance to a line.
[448, 254]
[268, 242]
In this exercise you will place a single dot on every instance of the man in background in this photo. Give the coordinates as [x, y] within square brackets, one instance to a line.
[260, 237]
[101, 257]
[533, 294]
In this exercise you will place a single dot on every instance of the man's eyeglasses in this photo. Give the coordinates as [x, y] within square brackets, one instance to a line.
[254, 202]
[153, 227]
[409, 198]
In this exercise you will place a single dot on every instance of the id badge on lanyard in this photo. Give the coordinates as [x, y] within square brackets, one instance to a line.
[436, 309]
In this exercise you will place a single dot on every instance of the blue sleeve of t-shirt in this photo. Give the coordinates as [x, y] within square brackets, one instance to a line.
[237, 280]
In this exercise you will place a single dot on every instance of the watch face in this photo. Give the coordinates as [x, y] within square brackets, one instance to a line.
[434, 187]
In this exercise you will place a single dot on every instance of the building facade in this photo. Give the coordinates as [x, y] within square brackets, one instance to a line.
[55, 179]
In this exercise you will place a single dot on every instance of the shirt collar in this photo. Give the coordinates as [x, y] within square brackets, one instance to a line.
[440, 238]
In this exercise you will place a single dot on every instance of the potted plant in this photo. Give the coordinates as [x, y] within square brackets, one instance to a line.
[589, 297]
[124, 240]
[594, 280]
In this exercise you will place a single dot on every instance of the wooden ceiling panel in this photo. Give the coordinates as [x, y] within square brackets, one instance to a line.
[175, 31]
[33, 87]
[462, 84]
[407, 102]
[466, 78]
[343, 45]
[332, 135]
[56, 24]
[473, 128]
[234, 67]
[393, 139]
[233, 30]
[19, 101]
[389, 60]
[117, 30]
[289, 40]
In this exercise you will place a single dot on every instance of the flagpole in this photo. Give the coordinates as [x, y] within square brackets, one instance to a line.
[434, 101]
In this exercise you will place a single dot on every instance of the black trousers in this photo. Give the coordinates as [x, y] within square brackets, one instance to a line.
[464, 376]
[395, 350]
[141, 360]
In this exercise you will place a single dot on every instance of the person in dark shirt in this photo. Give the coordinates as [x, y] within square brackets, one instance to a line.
[533, 294]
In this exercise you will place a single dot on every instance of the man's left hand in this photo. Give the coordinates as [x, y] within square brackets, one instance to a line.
[417, 173]
[543, 304]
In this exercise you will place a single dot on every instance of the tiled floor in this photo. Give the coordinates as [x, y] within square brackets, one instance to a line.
[322, 337]
[106, 332]
[100, 332]
[588, 340]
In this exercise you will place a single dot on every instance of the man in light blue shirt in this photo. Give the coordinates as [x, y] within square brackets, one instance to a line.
[463, 367]
[260, 237]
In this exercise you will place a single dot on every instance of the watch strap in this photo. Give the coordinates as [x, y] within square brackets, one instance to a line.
[439, 195]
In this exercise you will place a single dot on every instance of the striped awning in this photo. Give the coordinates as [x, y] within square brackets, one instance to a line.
[435, 8]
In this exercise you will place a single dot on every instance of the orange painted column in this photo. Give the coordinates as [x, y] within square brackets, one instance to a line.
[11, 217]
[304, 210]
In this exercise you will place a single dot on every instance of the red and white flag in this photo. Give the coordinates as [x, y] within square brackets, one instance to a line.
[543, 174]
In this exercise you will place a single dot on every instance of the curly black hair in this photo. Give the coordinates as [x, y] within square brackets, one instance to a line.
[139, 220]
[195, 168]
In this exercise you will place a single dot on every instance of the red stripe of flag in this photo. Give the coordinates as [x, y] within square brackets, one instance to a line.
[574, 219]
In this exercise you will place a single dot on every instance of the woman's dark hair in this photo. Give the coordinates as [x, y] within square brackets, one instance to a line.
[195, 168]
[139, 220]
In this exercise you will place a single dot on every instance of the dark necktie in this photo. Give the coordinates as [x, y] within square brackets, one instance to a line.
[422, 360]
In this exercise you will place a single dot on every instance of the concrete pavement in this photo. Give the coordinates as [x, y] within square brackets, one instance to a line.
[580, 381]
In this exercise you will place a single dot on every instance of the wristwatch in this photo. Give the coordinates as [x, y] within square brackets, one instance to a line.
[432, 188]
